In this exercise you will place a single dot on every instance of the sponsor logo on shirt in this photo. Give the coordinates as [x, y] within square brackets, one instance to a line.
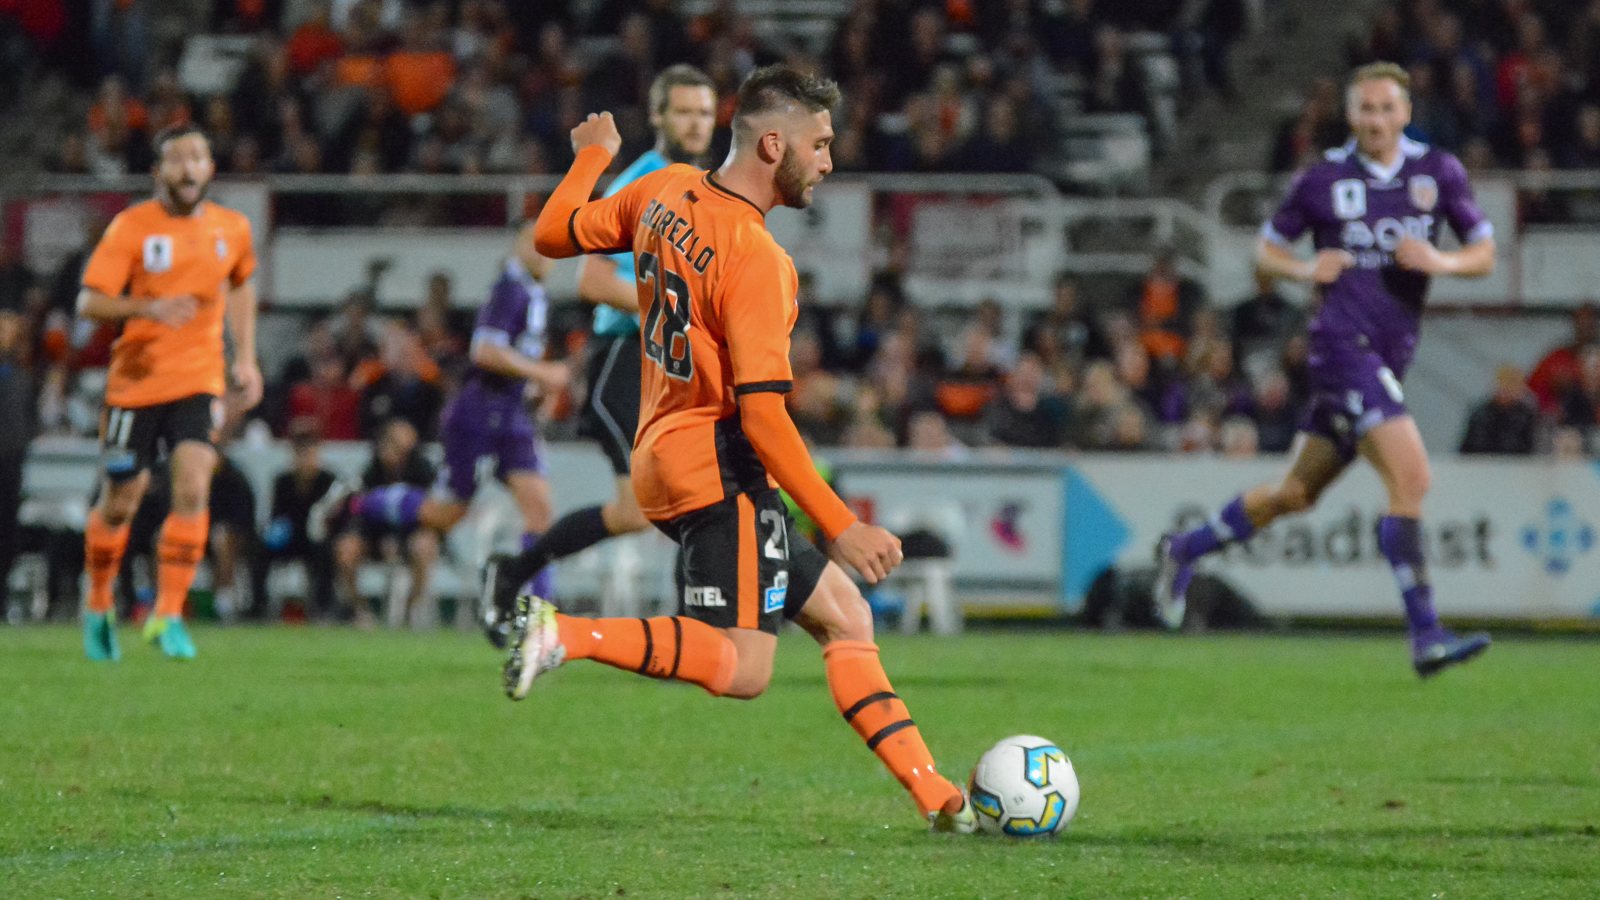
[703, 596]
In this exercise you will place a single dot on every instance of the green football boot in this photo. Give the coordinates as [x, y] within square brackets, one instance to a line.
[100, 636]
[171, 634]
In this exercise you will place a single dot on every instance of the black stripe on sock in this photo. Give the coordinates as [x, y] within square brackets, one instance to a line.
[868, 700]
[677, 648]
[887, 731]
[649, 647]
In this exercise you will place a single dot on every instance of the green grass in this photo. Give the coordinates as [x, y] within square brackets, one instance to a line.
[312, 763]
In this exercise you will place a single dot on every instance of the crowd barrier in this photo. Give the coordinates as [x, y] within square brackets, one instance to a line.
[1031, 531]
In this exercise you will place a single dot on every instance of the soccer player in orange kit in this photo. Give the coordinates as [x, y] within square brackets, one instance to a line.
[172, 269]
[715, 440]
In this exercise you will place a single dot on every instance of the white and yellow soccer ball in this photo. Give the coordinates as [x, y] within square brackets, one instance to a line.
[1024, 787]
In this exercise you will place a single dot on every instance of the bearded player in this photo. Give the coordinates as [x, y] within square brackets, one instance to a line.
[1374, 208]
[173, 270]
[715, 440]
[683, 110]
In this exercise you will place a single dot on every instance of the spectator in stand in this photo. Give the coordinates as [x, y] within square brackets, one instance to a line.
[1095, 407]
[1505, 423]
[1154, 387]
[868, 428]
[15, 277]
[1238, 438]
[928, 437]
[962, 394]
[877, 320]
[1077, 334]
[396, 459]
[1113, 86]
[1579, 404]
[313, 42]
[328, 400]
[1021, 416]
[19, 410]
[1584, 150]
[1558, 371]
[1567, 444]
[294, 493]
[812, 402]
[1318, 126]
[1217, 391]
[1260, 325]
[1130, 430]
[402, 383]
[1167, 303]
[378, 127]
[1276, 418]
[1536, 204]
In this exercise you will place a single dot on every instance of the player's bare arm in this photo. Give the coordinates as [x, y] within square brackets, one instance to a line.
[598, 283]
[169, 311]
[1277, 261]
[551, 377]
[245, 373]
[1472, 261]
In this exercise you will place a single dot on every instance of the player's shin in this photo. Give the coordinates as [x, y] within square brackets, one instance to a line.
[178, 552]
[572, 533]
[1400, 542]
[103, 550]
[864, 696]
[1231, 525]
[666, 647]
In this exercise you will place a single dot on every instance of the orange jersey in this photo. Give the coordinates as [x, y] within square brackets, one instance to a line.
[718, 299]
[148, 253]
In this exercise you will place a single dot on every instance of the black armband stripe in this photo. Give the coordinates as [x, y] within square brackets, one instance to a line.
[572, 230]
[763, 387]
[888, 731]
[649, 647]
[867, 701]
[677, 646]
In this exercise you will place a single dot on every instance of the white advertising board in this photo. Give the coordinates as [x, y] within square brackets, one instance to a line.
[1505, 539]
[1004, 525]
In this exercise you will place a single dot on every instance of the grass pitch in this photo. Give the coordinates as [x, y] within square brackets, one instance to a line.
[320, 763]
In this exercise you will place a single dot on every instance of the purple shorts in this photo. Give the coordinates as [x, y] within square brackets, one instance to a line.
[1352, 391]
[473, 428]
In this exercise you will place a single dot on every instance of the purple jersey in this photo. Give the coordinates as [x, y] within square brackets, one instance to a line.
[1349, 202]
[514, 317]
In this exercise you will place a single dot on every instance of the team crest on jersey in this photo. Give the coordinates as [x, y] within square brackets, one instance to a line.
[158, 253]
[1424, 192]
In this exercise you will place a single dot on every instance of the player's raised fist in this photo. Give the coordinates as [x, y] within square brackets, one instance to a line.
[599, 130]
[870, 550]
[1329, 264]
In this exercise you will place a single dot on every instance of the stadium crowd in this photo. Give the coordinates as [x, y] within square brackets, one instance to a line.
[1513, 85]
[467, 86]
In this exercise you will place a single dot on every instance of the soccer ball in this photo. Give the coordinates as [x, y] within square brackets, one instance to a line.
[1024, 787]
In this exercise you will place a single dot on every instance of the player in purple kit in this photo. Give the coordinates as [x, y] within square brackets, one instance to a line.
[1374, 208]
[487, 417]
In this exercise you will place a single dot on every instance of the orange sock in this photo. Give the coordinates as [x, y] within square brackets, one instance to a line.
[668, 647]
[862, 692]
[178, 554]
[102, 551]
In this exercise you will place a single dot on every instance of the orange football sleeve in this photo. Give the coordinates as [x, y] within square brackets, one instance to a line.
[777, 442]
[246, 265]
[110, 266]
[552, 233]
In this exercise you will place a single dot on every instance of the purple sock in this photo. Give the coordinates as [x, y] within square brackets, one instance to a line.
[1400, 542]
[529, 538]
[1226, 527]
[394, 504]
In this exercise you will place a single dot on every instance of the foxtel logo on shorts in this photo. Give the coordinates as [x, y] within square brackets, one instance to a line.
[703, 596]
